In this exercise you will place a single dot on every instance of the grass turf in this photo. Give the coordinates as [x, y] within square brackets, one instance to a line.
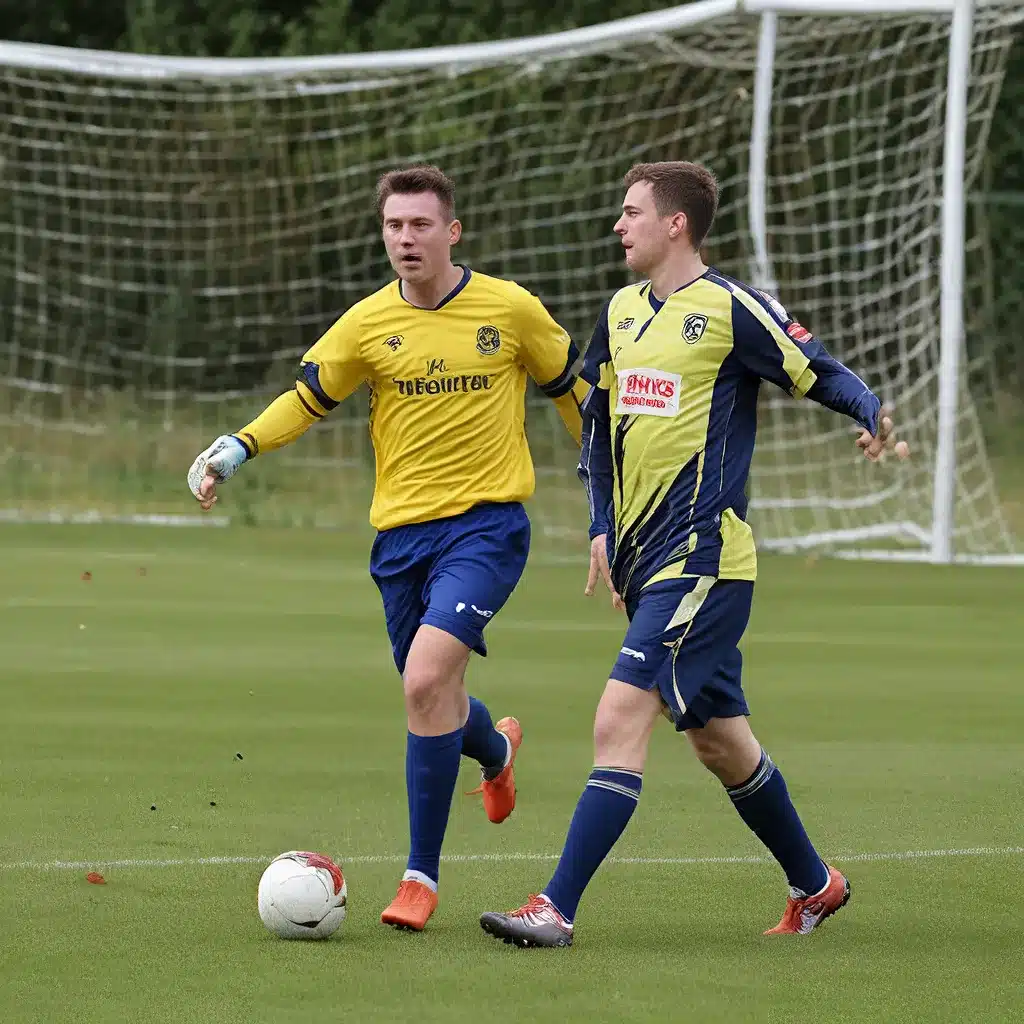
[888, 694]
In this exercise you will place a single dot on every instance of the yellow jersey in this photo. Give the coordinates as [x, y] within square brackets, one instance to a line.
[447, 394]
[671, 422]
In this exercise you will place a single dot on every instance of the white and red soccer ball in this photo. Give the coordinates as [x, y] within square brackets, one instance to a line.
[302, 895]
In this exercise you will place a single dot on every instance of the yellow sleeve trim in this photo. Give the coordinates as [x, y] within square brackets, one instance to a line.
[795, 364]
[284, 420]
[569, 407]
[804, 383]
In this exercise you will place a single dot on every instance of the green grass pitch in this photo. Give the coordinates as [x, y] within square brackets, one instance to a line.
[890, 695]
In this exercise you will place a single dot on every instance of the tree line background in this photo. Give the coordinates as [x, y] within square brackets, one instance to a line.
[245, 28]
[235, 28]
[255, 227]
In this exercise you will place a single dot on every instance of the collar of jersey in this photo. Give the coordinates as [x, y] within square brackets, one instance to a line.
[466, 275]
[657, 303]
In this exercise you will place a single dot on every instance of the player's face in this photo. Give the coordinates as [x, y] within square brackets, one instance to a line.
[645, 235]
[417, 236]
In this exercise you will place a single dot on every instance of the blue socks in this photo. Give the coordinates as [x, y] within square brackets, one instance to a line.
[431, 771]
[764, 805]
[482, 742]
[601, 816]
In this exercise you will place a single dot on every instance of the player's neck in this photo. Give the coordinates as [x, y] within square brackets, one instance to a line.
[428, 294]
[676, 273]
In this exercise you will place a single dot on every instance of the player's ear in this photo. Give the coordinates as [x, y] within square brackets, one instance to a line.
[454, 232]
[677, 225]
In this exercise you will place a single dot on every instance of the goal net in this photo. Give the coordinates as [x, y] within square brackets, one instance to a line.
[175, 233]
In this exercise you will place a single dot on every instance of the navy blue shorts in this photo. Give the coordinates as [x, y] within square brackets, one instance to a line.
[454, 574]
[682, 639]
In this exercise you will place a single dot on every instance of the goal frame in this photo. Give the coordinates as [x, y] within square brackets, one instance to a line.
[535, 51]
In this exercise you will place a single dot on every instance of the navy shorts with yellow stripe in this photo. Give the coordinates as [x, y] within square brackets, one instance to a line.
[682, 638]
[454, 573]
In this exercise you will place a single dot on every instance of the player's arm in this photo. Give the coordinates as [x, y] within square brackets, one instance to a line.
[780, 350]
[329, 372]
[550, 358]
[595, 466]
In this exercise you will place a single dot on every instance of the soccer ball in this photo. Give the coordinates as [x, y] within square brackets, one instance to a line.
[302, 896]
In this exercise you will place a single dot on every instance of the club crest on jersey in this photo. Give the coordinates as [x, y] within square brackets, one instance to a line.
[394, 342]
[488, 340]
[693, 327]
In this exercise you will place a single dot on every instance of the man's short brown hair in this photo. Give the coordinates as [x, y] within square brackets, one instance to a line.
[681, 187]
[415, 180]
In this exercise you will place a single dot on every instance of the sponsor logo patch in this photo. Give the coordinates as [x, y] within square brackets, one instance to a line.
[799, 333]
[648, 392]
[461, 384]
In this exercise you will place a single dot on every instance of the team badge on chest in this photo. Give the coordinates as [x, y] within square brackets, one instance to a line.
[694, 325]
[488, 340]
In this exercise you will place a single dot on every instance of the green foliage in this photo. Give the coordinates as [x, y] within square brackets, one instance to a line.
[996, 299]
[229, 28]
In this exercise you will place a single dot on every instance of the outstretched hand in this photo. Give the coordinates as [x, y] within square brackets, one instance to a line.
[876, 445]
[599, 570]
[216, 464]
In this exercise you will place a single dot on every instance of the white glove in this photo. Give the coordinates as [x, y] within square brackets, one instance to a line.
[222, 459]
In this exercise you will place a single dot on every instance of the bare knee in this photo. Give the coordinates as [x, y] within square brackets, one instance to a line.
[622, 726]
[608, 725]
[432, 682]
[425, 685]
[727, 748]
[711, 751]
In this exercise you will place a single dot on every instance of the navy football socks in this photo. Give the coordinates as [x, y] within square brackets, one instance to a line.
[763, 803]
[601, 816]
[431, 771]
[482, 742]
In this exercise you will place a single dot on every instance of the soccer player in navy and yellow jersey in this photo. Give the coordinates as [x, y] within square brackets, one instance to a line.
[675, 365]
[445, 353]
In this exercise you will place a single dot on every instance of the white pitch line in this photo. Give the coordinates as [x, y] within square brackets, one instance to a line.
[500, 858]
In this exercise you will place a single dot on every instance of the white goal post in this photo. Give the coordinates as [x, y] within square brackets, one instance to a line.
[174, 232]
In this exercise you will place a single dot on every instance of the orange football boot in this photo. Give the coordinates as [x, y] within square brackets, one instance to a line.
[499, 793]
[803, 915]
[410, 910]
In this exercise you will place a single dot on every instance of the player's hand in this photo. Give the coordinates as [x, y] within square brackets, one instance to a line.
[218, 463]
[599, 569]
[875, 446]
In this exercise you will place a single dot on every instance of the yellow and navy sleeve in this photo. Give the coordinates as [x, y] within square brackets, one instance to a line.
[777, 348]
[329, 372]
[595, 466]
[550, 358]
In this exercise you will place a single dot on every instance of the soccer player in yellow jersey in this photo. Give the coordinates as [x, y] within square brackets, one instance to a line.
[445, 352]
[675, 364]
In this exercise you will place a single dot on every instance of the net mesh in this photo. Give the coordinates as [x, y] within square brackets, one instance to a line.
[170, 246]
